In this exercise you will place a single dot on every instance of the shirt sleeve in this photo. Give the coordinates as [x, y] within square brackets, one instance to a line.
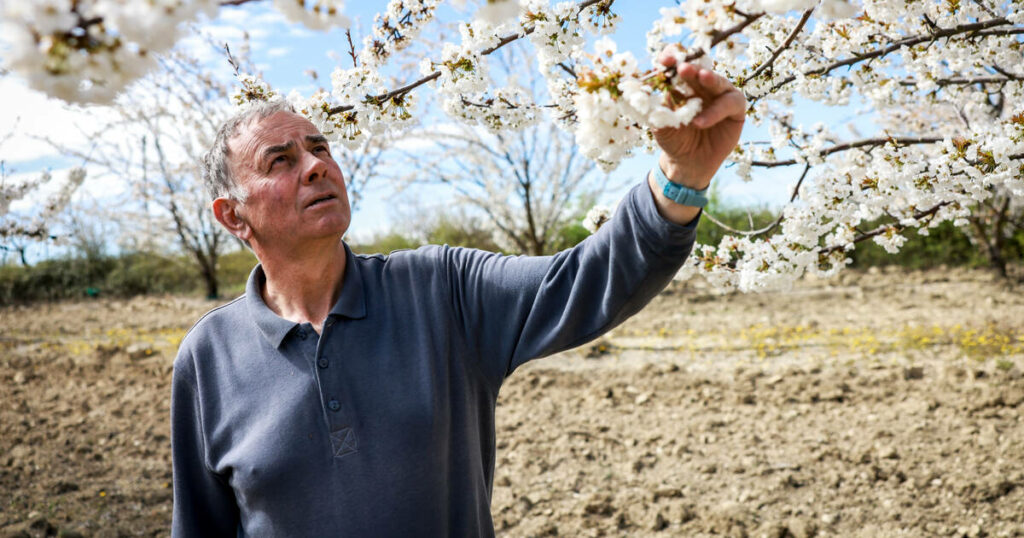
[204, 503]
[511, 309]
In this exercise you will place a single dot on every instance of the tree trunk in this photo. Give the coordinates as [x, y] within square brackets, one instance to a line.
[210, 281]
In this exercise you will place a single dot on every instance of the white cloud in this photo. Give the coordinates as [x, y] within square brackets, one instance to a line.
[33, 116]
[276, 52]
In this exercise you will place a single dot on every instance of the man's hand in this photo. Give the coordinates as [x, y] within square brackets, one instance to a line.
[692, 154]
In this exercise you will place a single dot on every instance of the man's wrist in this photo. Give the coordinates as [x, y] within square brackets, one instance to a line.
[682, 173]
[678, 193]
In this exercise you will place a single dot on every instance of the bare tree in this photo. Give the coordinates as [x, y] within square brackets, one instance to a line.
[529, 183]
[153, 143]
[19, 229]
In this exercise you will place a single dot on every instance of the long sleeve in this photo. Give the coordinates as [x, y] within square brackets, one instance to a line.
[513, 309]
[204, 504]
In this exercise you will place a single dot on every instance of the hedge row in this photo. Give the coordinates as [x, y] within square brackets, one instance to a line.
[138, 273]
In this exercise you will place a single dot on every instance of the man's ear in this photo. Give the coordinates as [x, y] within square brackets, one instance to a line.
[226, 210]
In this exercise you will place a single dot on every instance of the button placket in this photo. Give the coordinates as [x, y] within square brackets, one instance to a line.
[339, 424]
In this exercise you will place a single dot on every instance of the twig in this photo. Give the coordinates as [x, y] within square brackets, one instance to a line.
[785, 45]
[719, 36]
[231, 59]
[985, 8]
[767, 229]
[351, 48]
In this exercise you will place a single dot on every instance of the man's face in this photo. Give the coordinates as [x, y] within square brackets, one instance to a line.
[295, 188]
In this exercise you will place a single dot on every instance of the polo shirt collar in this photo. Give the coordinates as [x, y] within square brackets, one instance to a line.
[351, 303]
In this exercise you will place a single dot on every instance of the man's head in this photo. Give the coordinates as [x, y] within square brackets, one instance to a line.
[273, 181]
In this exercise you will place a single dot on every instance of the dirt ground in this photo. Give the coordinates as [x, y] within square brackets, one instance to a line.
[878, 404]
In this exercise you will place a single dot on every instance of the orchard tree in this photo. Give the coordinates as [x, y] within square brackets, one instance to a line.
[152, 142]
[20, 227]
[940, 82]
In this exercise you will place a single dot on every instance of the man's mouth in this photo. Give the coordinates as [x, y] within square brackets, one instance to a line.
[321, 199]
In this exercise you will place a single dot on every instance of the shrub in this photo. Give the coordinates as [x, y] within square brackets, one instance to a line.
[233, 271]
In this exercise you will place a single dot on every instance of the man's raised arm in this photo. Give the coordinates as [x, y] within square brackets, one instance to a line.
[692, 154]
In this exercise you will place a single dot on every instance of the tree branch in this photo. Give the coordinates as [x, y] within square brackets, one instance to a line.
[885, 227]
[962, 81]
[976, 28]
[872, 142]
[434, 75]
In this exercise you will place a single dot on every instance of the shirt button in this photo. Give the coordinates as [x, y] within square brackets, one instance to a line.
[302, 334]
[333, 405]
[322, 362]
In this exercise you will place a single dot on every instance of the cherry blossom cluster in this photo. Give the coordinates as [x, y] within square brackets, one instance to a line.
[395, 28]
[617, 104]
[87, 51]
[596, 217]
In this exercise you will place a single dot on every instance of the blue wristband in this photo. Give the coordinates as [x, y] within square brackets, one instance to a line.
[678, 193]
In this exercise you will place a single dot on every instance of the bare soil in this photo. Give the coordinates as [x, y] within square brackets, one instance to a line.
[880, 404]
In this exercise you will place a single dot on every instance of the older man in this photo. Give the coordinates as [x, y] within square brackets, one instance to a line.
[349, 395]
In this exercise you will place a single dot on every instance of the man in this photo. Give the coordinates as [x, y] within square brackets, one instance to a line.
[349, 395]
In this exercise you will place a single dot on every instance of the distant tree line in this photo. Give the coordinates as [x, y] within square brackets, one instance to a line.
[86, 272]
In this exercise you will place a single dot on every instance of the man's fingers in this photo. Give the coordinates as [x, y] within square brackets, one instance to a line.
[715, 84]
[721, 99]
[705, 82]
[728, 105]
[666, 57]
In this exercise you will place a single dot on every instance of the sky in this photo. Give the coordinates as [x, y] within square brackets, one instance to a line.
[284, 52]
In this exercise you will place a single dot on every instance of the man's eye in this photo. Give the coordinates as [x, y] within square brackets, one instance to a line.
[322, 149]
[277, 160]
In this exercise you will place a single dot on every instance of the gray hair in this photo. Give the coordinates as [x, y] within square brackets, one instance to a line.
[217, 177]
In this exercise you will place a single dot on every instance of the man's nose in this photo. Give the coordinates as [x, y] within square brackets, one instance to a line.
[314, 168]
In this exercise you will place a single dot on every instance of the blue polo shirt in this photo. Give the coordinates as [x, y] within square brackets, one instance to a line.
[383, 425]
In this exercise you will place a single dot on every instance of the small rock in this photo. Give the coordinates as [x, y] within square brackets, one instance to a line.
[911, 373]
[599, 505]
[687, 514]
[802, 528]
[667, 493]
[43, 525]
[20, 452]
[659, 523]
[64, 487]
